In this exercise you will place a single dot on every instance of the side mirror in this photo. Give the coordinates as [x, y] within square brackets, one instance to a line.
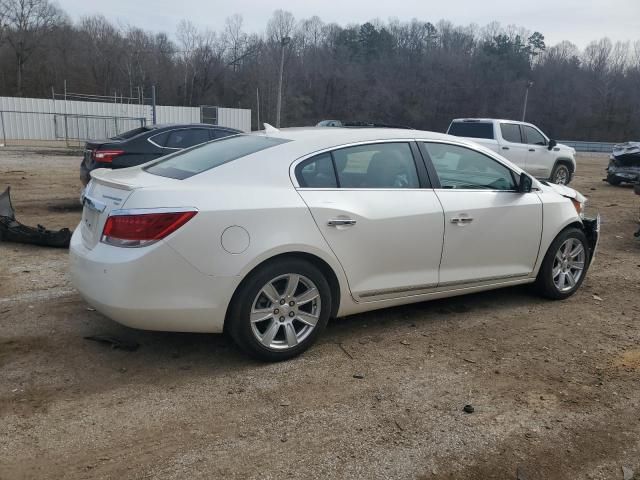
[552, 143]
[525, 184]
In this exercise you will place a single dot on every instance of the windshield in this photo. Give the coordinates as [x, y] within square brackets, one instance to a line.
[193, 161]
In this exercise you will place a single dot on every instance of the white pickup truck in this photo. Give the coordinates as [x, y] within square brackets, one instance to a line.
[523, 144]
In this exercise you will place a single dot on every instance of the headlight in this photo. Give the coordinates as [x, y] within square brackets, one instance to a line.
[579, 207]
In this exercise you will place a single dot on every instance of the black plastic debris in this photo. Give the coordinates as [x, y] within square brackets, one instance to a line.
[116, 343]
[468, 409]
[13, 231]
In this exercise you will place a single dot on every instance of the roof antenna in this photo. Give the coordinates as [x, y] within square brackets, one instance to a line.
[269, 129]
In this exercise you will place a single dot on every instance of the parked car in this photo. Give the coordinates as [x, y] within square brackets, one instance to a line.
[144, 144]
[522, 143]
[624, 164]
[268, 235]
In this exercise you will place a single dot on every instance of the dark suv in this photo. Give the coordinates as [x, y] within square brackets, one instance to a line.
[144, 144]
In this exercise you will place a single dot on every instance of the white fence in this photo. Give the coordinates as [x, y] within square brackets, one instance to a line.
[48, 119]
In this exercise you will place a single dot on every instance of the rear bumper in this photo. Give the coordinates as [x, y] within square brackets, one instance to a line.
[149, 288]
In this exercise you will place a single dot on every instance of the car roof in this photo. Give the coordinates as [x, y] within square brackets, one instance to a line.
[500, 120]
[311, 139]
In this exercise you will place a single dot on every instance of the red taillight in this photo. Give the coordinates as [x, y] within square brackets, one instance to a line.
[106, 156]
[143, 229]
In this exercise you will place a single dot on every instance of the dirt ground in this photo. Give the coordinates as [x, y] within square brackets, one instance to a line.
[555, 385]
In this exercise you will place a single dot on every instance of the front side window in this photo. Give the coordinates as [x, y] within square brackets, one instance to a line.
[462, 168]
[379, 165]
[190, 162]
[534, 137]
[511, 132]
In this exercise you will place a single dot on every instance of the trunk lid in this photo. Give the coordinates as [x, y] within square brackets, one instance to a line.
[108, 191]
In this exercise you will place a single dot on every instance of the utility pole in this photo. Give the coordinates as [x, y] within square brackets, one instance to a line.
[258, 106]
[153, 103]
[526, 98]
[283, 43]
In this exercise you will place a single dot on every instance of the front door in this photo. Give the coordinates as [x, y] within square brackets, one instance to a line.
[372, 207]
[492, 232]
[540, 159]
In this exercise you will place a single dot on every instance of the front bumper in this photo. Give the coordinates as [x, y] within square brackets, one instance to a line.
[591, 222]
[149, 288]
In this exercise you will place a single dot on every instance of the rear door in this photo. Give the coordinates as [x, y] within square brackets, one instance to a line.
[492, 232]
[375, 208]
[512, 146]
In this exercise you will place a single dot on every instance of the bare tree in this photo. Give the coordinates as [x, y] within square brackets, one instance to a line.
[27, 24]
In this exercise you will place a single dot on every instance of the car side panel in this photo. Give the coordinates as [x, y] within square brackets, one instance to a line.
[557, 213]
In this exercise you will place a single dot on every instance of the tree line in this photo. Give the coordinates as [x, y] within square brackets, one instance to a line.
[413, 73]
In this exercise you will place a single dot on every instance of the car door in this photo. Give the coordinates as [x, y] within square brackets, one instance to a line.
[492, 232]
[513, 146]
[374, 207]
[539, 159]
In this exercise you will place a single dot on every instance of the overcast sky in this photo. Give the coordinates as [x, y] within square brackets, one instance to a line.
[578, 21]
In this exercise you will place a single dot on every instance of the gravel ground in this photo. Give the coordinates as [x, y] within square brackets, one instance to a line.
[554, 384]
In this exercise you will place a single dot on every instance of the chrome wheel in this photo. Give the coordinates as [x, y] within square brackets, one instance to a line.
[562, 176]
[568, 264]
[285, 311]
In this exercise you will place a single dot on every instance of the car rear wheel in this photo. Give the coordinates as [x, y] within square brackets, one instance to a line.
[280, 310]
[564, 266]
[561, 174]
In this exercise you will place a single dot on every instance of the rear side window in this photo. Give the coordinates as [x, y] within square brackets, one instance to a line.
[511, 132]
[379, 165]
[472, 129]
[187, 137]
[205, 157]
[317, 172]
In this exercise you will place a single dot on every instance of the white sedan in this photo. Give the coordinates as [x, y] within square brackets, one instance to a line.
[268, 235]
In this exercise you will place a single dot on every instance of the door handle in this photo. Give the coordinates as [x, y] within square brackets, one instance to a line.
[532, 149]
[505, 148]
[338, 222]
[461, 220]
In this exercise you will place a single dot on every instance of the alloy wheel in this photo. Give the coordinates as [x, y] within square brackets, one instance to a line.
[562, 176]
[568, 264]
[285, 311]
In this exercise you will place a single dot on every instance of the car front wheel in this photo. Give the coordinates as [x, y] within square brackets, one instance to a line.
[561, 174]
[280, 310]
[564, 266]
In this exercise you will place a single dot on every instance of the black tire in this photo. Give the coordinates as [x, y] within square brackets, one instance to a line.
[613, 180]
[545, 281]
[563, 170]
[238, 320]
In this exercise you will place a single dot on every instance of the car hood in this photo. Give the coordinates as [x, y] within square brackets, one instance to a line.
[563, 190]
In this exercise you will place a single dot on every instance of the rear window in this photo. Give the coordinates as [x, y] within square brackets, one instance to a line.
[130, 133]
[198, 159]
[471, 129]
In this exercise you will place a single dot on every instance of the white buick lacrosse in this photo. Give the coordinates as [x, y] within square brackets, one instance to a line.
[269, 235]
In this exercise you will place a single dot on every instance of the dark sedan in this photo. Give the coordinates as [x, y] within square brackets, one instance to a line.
[147, 143]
